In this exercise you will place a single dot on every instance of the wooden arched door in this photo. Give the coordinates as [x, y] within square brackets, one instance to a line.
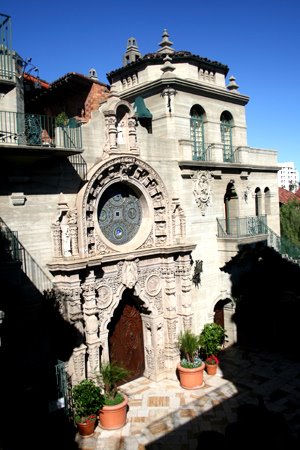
[125, 340]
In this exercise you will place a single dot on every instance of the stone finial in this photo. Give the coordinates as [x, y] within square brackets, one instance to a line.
[232, 86]
[62, 202]
[132, 53]
[166, 44]
[167, 65]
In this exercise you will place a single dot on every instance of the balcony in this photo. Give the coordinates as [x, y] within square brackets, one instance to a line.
[239, 231]
[35, 135]
[7, 63]
[242, 227]
[218, 154]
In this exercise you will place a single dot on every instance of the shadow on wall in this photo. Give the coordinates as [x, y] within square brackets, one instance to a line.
[262, 369]
[267, 292]
[33, 337]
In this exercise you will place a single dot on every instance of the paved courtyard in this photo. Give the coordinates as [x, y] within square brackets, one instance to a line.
[260, 385]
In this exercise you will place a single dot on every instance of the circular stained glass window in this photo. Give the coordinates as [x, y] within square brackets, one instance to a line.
[119, 213]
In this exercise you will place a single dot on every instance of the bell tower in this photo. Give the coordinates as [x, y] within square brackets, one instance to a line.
[132, 53]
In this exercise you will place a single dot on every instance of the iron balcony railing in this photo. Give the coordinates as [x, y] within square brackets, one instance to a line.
[240, 227]
[207, 152]
[254, 226]
[26, 129]
[11, 249]
[7, 64]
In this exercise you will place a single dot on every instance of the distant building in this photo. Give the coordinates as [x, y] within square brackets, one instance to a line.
[288, 176]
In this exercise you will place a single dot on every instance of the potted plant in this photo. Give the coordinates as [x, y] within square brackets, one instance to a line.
[191, 366]
[61, 121]
[86, 400]
[113, 412]
[211, 342]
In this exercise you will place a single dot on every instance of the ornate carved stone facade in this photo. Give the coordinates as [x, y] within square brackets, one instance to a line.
[154, 264]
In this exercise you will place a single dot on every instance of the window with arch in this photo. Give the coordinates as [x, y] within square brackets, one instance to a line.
[197, 115]
[258, 202]
[267, 194]
[226, 136]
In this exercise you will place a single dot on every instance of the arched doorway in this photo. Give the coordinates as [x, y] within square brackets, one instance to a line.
[125, 339]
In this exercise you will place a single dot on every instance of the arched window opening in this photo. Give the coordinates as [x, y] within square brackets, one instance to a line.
[197, 116]
[226, 136]
[122, 124]
[267, 193]
[231, 201]
[258, 202]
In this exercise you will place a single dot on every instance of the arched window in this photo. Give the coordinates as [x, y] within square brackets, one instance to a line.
[197, 132]
[231, 202]
[226, 136]
[267, 200]
[258, 202]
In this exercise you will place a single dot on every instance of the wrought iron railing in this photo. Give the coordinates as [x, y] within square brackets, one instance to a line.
[7, 63]
[11, 249]
[239, 227]
[208, 152]
[254, 226]
[79, 165]
[32, 129]
[282, 244]
[63, 387]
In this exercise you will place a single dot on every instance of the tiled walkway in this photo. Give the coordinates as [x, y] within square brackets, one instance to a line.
[165, 416]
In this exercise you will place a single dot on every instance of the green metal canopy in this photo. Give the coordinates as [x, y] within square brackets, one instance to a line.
[141, 110]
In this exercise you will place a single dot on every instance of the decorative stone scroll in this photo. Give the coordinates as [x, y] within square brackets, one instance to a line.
[202, 190]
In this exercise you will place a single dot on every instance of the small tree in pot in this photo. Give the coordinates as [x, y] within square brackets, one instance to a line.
[86, 401]
[191, 366]
[113, 413]
[211, 341]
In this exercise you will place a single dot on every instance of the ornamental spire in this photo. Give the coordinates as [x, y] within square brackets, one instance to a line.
[166, 44]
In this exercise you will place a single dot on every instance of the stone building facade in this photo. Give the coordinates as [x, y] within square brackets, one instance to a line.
[172, 189]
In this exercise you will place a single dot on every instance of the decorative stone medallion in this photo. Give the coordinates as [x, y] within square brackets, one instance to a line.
[153, 285]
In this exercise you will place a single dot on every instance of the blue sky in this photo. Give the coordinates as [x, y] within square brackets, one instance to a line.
[259, 40]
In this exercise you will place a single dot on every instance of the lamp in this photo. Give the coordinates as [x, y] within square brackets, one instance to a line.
[29, 68]
[168, 92]
[198, 269]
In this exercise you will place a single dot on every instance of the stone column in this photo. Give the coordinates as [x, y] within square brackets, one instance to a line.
[56, 240]
[90, 313]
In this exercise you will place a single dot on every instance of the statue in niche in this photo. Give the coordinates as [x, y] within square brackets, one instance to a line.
[65, 236]
[129, 274]
[120, 133]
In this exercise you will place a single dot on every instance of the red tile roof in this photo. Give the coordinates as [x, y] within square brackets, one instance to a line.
[287, 196]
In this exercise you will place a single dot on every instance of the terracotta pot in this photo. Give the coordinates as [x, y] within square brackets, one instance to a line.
[86, 428]
[211, 369]
[191, 378]
[113, 417]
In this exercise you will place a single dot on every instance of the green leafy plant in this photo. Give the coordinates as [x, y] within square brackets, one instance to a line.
[61, 120]
[211, 339]
[109, 378]
[86, 401]
[188, 344]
